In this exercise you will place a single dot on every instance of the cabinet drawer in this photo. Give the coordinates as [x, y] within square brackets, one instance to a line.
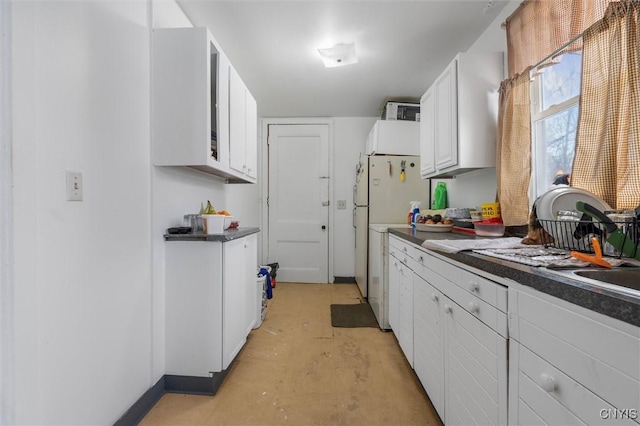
[493, 293]
[401, 250]
[545, 393]
[488, 314]
[595, 354]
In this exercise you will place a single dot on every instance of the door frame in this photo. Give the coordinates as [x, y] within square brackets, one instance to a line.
[264, 182]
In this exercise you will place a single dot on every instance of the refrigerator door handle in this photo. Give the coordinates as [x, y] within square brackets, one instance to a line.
[355, 200]
[353, 219]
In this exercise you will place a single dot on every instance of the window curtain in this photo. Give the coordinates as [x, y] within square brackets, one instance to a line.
[535, 31]
[514, 149]
[607, 158]
[539, 27]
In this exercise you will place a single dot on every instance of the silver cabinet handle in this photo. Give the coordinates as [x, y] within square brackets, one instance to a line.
[473, 287]
[434, 297]
[447, 308]
[473, 307]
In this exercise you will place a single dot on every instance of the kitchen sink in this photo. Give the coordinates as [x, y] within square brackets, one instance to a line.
[622, 280]
[626, 277]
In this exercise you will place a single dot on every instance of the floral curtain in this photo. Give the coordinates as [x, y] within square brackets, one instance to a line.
[514, 149]
[607, 158]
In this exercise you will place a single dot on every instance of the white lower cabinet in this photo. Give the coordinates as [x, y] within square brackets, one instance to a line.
[405, 312]
[239, 281]
[552, 362]
[428, 341]
[475, 359]
[394, 292]
[459, 339]
[209, 303]
[570, 365]
[401, 295]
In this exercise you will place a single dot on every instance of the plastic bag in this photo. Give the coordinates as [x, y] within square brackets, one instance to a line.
[440, 196]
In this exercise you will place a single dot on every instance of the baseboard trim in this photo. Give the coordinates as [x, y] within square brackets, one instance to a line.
[195, 385]
[170, 383]
[344, 280]
[143, 405]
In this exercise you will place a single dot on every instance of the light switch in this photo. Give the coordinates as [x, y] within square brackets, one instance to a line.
[342, 204]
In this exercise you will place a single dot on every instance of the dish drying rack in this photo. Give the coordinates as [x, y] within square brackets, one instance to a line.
[577, 235]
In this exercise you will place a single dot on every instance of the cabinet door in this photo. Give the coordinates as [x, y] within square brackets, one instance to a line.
[428, 347]
[427, 133]
[405, 312]
[446, 114]
[251, 147]
[193, 308]
[237, 117]
[233, 300]
[475, 370]
[394, 291]
[250, 246]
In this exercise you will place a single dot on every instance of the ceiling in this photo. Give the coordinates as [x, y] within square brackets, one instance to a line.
[401, 46]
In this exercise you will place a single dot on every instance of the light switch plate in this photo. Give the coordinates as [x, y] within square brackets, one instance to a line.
[342, 204]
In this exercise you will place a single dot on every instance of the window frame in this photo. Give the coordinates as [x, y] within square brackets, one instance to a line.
[537, 115]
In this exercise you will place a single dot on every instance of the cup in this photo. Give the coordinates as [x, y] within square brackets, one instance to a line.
[195, 222]
[491, 212]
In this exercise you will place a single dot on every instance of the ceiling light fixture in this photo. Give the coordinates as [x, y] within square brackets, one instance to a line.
[339, 55]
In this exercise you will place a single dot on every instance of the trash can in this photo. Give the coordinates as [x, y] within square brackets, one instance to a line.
[261, 296]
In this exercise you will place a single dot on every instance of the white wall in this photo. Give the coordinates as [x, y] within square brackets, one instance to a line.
[475, 188]
[349, 134]
[82, 269]
[89, 275]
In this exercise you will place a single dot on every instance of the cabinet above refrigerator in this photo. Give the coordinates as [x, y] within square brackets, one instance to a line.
[394, 137]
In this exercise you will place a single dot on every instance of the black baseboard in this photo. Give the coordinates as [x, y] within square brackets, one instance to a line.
[143, 405]
[171, 384]
[344, 280]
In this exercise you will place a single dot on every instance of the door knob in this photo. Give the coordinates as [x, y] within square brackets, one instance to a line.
[324, 227]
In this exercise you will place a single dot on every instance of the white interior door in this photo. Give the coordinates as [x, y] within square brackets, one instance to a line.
[298, 202]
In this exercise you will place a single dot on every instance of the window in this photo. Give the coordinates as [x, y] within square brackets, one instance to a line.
[554, 115]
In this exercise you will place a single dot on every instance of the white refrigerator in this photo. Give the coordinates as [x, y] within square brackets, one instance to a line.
[382, 197]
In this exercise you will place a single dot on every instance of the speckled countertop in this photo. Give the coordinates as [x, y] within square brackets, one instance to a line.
[616, 305]
[228, 235]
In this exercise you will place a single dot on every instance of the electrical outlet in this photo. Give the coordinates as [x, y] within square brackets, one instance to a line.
[74, 186]
[342, 204]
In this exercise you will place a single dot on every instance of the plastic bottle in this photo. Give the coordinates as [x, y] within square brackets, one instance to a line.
[415, 212]
[440, 197]
[410, 215]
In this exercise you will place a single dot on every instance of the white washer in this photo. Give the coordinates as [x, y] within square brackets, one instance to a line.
[378, 271]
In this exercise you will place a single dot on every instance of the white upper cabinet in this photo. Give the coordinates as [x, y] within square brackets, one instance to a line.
[459, 116]
[192, 99]
[243, 127]
[427, 133]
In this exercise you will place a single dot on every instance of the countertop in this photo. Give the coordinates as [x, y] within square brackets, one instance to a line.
[228, 235]
[616, 305]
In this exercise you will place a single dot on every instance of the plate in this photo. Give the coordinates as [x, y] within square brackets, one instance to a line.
[565, 198]
[433, 228]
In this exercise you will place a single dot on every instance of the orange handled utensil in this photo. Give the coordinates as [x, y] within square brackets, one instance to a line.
[597, 259]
